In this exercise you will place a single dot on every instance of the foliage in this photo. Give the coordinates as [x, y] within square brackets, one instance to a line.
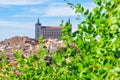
[97, 39]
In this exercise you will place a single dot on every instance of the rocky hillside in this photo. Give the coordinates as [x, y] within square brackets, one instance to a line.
[28, 45]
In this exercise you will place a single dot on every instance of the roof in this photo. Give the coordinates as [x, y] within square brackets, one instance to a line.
[53, 27]
[38, 22]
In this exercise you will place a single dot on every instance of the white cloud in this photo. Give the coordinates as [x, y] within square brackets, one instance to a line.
[35, 10]
[24, 15]
[58, 4]
[59, 11]
[21, 2]
[12, 28]
[15, 24]
[53, 10]
[4, 6]
[29, 12]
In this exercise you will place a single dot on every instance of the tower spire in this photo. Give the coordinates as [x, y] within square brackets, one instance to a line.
[70, 25]
[69, 21]
[38, 22]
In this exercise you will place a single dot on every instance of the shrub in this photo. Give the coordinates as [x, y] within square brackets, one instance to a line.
[97, 40]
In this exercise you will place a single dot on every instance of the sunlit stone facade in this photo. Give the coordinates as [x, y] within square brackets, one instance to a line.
[47, 31]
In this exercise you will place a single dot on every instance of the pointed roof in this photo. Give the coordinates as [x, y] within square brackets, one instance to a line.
[69, 21]
[38, 22]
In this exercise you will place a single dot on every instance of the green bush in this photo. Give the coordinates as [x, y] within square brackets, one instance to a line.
[97, 41]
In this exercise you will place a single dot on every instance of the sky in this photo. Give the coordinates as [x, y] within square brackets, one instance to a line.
[18, 17]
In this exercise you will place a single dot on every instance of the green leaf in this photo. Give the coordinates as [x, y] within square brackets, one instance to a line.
[86, 12]
[17, 55]
[113, 20]
[78, 6]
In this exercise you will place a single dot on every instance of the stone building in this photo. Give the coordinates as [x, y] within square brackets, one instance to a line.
[47, 31]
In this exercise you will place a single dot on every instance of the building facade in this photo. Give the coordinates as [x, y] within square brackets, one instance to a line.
[47, 31]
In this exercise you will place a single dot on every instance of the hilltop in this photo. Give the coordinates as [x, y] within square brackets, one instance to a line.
[28, 45]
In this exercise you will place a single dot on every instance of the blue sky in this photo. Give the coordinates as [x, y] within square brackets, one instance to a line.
[18, 17]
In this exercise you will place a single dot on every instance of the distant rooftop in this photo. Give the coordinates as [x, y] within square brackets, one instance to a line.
[55, 27]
